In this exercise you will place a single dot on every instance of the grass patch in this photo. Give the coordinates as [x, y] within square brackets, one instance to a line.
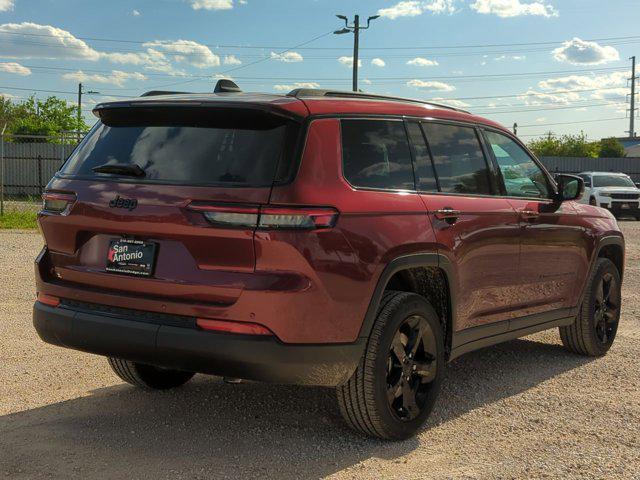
[18, 220]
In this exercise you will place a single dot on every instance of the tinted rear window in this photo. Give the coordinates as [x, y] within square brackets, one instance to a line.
[458, 159]
[189, 146]
[376, 154]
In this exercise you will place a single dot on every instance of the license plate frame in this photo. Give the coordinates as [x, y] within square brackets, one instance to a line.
[127, 256]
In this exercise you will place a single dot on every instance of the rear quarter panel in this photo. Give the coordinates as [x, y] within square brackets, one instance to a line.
[344, 263]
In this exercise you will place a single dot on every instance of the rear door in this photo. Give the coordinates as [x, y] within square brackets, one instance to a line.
[165, 184]
[475, 229]
[553, 250]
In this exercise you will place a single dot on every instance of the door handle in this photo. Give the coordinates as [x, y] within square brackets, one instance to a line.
[448, 214]
[529, 215]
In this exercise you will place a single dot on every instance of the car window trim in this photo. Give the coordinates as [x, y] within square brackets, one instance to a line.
[413, 155]
[550, 183]
[379, 118]
[487, 162]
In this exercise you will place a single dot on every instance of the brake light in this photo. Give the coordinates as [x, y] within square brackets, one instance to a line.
[228, 215]
[232, 327]
[297, 218]
[48, 300]
[267, 217]
[58, 203]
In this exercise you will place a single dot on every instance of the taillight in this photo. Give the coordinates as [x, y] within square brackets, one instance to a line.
[58, 203]
[267, 217]
[49, 300]
[232, 327]
[297, 218]
[228, 215]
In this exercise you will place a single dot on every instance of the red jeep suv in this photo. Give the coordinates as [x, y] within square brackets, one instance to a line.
[319, 238]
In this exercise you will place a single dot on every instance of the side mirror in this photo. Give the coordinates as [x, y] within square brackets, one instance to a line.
[570, 187]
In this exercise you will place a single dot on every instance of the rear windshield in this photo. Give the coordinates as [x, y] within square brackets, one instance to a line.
[612, 181]
[189, 146]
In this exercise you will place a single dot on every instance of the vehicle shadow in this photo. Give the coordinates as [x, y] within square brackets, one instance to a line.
[209, 429]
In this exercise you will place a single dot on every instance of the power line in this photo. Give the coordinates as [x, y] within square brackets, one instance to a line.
[413, 47]
[572, 123]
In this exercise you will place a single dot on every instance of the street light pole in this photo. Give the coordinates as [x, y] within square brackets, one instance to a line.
[355, 28]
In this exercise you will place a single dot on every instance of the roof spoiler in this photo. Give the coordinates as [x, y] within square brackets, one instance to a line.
[222, 86]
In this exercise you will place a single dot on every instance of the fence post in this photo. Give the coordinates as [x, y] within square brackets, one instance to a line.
[40, 174]
[2, 169]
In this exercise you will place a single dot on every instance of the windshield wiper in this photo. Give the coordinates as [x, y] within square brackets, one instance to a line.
[130, 169]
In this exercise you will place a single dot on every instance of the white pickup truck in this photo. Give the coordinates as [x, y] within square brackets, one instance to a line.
[613, 191]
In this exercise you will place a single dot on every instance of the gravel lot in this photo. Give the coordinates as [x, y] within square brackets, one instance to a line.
[524, 409]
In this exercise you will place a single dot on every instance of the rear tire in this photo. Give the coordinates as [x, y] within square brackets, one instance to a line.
[596, 325]
[148, 376]
[394, 388]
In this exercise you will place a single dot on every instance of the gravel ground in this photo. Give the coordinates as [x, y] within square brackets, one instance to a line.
[524, 409]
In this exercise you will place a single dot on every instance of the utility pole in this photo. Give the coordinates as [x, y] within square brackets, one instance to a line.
[79, 107]
[355, 28]
[632, 130]
[80, 92]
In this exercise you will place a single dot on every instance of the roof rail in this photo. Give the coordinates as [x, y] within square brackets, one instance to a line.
[316, 92]
[154, 93]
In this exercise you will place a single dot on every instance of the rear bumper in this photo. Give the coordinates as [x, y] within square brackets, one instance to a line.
[186, 348]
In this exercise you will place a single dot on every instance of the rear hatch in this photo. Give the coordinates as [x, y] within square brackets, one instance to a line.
[163, 200]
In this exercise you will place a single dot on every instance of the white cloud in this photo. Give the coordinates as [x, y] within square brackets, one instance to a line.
[6, 5]
[116, 77]
[431, 85]
[514, 8]
[377, 62]
[135, 13]
[287, 57]
[288, 88]
[211, 4]
[413, 8]
[348, 61]
[451, 102]
[534, 97]
[510, 57]
[232, 60]
[585, 82]
[581, 52]
[366, 81]
[52, 43]
[422, 62]
[187, 51]
[15, 68]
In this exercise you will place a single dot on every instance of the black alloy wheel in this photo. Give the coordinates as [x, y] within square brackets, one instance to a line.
[411, 367]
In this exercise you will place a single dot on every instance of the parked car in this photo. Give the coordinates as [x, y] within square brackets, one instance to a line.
[613, 191]
[322, 238]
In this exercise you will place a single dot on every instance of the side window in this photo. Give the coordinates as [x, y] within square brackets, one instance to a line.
[458, 159]
[522, 176]
[375, 154]
[425, 177]
[587, 180]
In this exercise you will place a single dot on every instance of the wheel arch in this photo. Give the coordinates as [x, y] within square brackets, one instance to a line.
[612, 248]
[431, 275]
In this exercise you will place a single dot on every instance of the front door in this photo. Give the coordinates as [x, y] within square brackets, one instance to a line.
[475, 229]
[552, 241]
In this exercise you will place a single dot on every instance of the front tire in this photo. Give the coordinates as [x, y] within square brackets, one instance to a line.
[148, 376]
[596, 325]
[394, 388]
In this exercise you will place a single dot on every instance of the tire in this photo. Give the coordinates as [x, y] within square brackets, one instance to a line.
[596, 325]
[148, 376]
[593, 201]
[371, 405]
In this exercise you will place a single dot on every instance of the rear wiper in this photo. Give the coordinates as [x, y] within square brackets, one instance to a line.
[120, 169]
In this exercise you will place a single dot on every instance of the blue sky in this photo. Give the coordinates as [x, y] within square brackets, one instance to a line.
[544, 64]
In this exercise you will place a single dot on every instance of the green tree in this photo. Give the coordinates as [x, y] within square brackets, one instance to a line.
[48, 117]
[565, 146]
[611, 148]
